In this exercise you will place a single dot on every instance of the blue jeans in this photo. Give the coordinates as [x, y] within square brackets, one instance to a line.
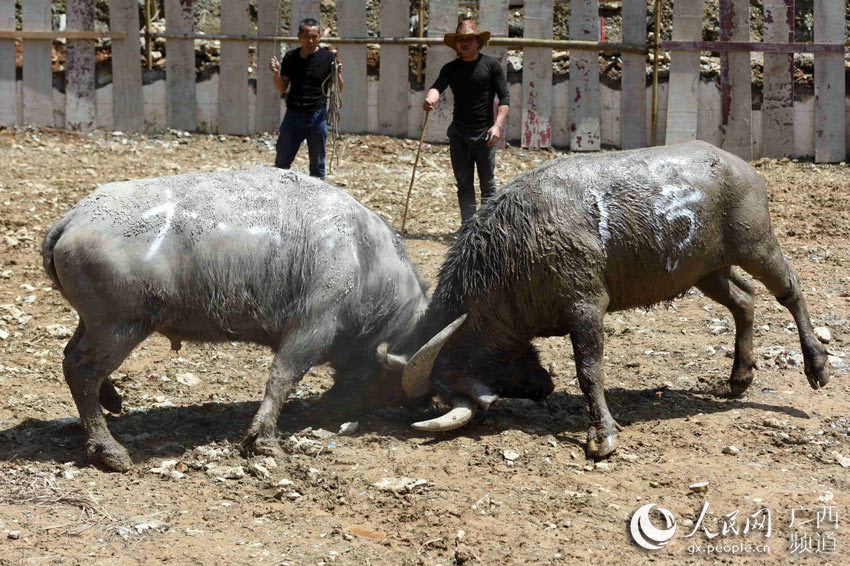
[294, 129]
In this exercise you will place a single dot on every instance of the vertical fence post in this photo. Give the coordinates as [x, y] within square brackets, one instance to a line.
[777, 108]
[233, 80]
[735, 80]
[127, 103]
[585, 100]
[683, 97]
[633, 82]
[267, 118]
[394, 71]
[180, 66]
[442, 18]
[79, 69]
[38, 74]
[537, 99]
[829, 84]
[8, 89]
[494, 18]
[354, 115]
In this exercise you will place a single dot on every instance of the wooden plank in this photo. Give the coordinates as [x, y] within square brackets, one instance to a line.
[493, 17]
[8, 92]
[354, 114]
[585, 100]
[80, 111]
[683, 98]
[777, 108]
[442, 16]
[233, 86]
[126, 67]
[394, 70]
[537, 95]
[268, 98]
[37, 72]
[633, 82]
[829, 84]
[180, 67]
[735, 81]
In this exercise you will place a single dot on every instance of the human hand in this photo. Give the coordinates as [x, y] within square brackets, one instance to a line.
[274, 65]
[493, 135]
[429, 103]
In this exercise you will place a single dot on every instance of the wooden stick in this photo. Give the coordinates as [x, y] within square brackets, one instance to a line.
[413, 176]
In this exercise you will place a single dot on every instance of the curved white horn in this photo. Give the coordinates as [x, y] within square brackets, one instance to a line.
[415, 378]
[462, 412]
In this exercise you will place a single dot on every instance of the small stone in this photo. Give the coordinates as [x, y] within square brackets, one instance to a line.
[835, 361]
[843, 461]
[58, 331]
[322, 434]
[604, 466]
[822, 333]
[731, 450]
[770, 422]
[654, 484]
[285, 483]
[349, 428]
[510, 455]
[460, 534]
[293, 495]
[260, 471]
[187, 379]
[3, 334]
[686, 523]
[14, 535]
[629, 457]
[269, 462]
[699, 487]
[398, 485]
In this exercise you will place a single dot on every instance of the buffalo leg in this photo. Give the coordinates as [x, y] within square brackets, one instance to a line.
[300, 351]
[587, 339]
[90, 357]
[735, 294]
[108, 396]
[781, 280]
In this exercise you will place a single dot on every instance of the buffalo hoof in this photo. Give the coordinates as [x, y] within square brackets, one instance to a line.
[263, 446]
[109, 454]
[599, 446]
[109, 397]
[738, 387]
[817, 371]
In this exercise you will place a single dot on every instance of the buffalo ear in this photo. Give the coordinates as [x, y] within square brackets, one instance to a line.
[389, 361]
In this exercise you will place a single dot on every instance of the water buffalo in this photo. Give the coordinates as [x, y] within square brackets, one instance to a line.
[560, 246]
[264, 256]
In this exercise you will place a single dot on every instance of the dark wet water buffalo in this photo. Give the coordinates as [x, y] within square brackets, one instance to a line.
[560, 246]
[264, 256]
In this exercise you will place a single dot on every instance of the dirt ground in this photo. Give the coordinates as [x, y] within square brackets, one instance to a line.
[512, 487]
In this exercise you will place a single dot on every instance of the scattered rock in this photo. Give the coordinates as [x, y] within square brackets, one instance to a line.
[699, 487]
[822, 334]
[349, 428]
[843, 461]
[169, 469]
[226, 472]
[259, 471]
[731, 450]
[14, 535]
[58, 331]
[603, 466]
[771, 422]
[187, 379]
[322, 434]
[399, 485]
[510, 455]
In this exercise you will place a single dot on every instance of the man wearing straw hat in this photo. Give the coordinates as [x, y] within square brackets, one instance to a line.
[475, 79]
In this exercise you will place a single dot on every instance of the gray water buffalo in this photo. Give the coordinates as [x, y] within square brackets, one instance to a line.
[264, 256]
[560, 246]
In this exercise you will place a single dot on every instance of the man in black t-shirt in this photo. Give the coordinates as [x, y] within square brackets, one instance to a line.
[305, 71]
[475, 79]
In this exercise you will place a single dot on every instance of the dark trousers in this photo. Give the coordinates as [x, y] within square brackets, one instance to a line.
[468, 153]
[294, 129]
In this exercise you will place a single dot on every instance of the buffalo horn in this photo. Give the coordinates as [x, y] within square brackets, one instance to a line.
[461, 413]
[478, 391]
[416, 376]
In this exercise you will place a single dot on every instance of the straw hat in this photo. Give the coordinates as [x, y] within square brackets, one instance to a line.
[466, 28]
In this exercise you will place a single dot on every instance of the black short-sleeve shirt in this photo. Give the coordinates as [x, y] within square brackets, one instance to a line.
[306, 76]
[475, 84]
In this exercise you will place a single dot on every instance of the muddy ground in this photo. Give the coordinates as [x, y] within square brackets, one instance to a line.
[512, 487]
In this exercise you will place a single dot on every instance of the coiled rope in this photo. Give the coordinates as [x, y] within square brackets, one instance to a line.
[330, 88]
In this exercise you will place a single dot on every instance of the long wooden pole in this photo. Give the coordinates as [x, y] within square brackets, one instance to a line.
[413, 176]
[655, 71]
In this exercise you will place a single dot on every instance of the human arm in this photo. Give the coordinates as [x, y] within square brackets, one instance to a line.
[495, 131]
[281, 83]
[431, 99]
